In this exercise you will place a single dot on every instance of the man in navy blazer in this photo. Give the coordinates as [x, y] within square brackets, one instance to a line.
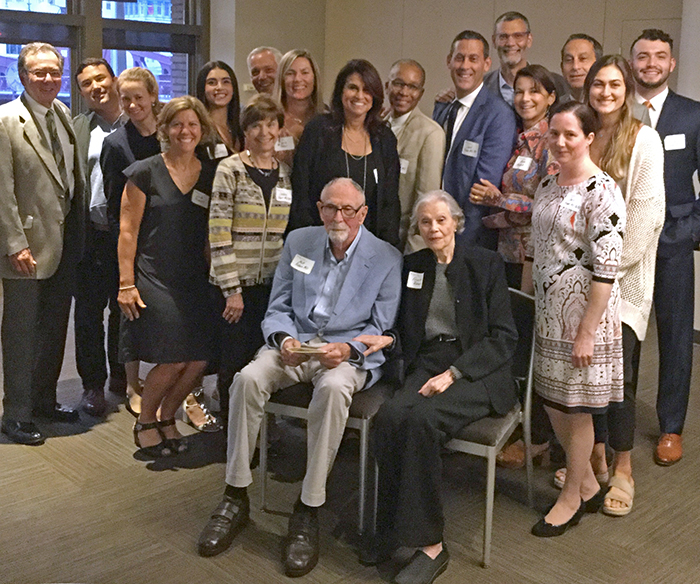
[480, 130]
[332, 284]
[677, 120]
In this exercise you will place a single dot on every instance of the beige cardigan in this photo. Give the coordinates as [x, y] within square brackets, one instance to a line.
[643, 190]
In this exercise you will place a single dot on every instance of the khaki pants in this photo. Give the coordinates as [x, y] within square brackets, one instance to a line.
[328, 413]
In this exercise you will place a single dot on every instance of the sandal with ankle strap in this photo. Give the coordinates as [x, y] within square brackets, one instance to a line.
[160, 450]
[177, 445]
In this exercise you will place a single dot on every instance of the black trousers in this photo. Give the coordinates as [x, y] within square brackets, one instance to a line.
[409, 431]
[674, 305]
[241, 340]
[34, 327]
[97, 286]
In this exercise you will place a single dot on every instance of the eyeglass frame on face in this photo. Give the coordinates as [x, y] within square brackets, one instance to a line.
[398, 84]
[516, 36]
[323, 209]
[42, 74]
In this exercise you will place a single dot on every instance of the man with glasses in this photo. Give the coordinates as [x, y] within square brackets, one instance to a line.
[332, 284]
[421, 143]
[42, 221]
[512, 39]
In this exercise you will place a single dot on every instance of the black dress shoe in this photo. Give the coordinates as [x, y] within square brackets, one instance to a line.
[300, 549]
[93, 402]
[59, 413]
[22, 432]
[422, 570]
[544, 529]
[225, 523]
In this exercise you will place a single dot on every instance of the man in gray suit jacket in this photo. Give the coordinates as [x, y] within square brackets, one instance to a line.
[421, 143]
[42, 219]
[332, 284]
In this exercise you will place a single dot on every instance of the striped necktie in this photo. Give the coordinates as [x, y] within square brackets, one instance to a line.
[56, 147]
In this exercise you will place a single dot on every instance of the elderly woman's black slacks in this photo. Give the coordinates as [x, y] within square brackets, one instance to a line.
[409, 431]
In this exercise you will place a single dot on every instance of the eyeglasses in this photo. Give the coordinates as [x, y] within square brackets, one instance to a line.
[398, 84]
[328, 211]
[516, 36]
[44, 73]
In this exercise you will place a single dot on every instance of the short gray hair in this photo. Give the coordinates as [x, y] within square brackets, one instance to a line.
[437, 195]
[33, 49]
[344, 180]
[275, 52]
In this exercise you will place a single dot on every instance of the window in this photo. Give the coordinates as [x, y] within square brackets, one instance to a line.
[165, 11]
[170, 69]
[49, 6]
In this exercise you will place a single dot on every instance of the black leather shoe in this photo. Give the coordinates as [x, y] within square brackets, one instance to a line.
[544, 529]
[93, 402]
[59, 413]
[422, 570]
[224, 525]
[300, 549]
[22, 432]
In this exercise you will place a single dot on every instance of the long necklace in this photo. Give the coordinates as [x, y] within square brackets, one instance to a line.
[347, 162]
[264, 172]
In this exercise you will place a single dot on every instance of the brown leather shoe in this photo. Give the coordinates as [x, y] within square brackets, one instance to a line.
[669, 450]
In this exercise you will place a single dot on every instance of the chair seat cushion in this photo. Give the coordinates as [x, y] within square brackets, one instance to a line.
[364, 404]
[488, 431]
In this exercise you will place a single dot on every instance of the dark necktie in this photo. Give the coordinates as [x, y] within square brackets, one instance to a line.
[56, 147]
[454, 107]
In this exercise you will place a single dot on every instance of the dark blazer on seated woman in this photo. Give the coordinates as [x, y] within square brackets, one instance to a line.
[487, 331]
[320, 158]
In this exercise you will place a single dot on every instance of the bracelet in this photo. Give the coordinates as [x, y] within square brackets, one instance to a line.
[122, 288]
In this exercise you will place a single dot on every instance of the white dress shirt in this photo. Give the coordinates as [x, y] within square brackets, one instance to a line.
[657, 102]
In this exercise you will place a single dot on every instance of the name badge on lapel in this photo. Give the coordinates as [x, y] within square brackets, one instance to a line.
[470, 149]
[284, 143]
[404, 165]
[283, 195]
[302, 264]
[572, 202]
[523, 163]
[415, 280]
[200, 199]
[220, 151]
[674, 142]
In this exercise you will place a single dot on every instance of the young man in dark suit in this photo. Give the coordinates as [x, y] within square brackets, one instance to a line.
[677, 120]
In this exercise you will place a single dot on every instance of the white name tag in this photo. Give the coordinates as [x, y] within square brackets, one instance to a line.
[415, 280]
[199, 198]
[572, 201]
[674, 142]
[283, 195]
[522, 163]
[28, 222]
[220, 151]
[302, 264]
[284, 143]
[470, 148]
[404, 165]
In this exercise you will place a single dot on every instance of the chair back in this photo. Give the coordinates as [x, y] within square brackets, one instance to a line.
[523, 307]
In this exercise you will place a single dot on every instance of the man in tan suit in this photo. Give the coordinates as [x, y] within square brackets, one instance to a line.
[421, 143]
[42, 219]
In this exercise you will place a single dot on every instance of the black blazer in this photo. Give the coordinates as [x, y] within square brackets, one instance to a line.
[487, 331]
[680, 115]
[311, 172]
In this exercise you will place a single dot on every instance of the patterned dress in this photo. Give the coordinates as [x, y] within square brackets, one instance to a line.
[576, 239]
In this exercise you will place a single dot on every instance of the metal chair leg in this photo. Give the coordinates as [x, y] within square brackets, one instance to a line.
[490, 491]
[364, 447]
[263, 461]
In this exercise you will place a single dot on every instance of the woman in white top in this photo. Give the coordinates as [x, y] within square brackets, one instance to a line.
[633, 155]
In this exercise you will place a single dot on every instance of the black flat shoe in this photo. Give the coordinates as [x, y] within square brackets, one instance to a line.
[58, 413]
[177, 445]
[160, 450]
[22, 432]
[595, 503]
[225, 523]
[423, 570]
[544, 529]
[300, 549]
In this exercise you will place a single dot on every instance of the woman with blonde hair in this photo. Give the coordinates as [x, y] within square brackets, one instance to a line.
[297, 91]
[163, 272]
[632, 154]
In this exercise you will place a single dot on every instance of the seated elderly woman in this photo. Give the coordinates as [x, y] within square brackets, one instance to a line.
[456, 335]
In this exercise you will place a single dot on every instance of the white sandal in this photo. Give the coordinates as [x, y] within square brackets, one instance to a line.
[625, 496]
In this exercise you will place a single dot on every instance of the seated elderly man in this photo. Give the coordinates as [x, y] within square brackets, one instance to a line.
[456, 335]
[332, 284]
